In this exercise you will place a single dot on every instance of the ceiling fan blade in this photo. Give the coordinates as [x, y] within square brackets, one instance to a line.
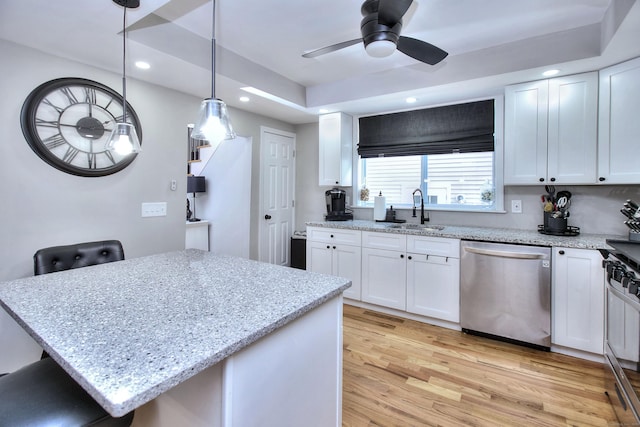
[422, 51]
[332, 48]
[390, 12]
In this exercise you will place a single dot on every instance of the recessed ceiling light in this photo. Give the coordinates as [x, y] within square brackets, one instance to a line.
[411, 100]
[143, 65]
[244, 99]
[550, 73]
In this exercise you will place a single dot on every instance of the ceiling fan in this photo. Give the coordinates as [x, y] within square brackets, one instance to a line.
[380, 29]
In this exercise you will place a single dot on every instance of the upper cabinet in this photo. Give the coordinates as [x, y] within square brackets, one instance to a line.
[335, 149]
[619, 124]
[551, 131]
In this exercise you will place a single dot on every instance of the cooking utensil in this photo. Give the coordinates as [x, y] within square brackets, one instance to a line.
[551, 191]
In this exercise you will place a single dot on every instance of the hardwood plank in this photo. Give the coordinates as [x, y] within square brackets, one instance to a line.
[400, 372]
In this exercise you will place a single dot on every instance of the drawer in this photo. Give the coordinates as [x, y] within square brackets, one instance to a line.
[334, 235]
[389, 241]
[440, 246]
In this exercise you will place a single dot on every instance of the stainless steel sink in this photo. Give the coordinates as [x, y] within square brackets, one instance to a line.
[419, 227]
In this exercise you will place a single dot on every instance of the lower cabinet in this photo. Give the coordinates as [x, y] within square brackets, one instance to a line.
[578, 292]
[384, 276]
[433, 286]
[417, 274]
[336, 252]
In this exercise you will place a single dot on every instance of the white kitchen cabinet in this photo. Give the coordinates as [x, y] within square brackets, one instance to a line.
[417, 274]
[619, 127]
[335, 149]
[384, 269]
[578, 299]
[384, 275]
[433, 277]
[336, 252]
[551, 131]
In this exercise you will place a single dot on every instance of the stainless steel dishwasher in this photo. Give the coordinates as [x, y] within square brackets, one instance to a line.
[505, 292]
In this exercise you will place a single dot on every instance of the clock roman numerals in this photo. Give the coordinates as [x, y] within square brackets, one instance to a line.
[110, 156]
[71, 154]
[90, 96]
[71, 97]
[54, 141]
[51, 104]
[47, 123]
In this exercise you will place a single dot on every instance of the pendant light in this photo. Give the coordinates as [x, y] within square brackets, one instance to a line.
[124, 139]
[213, 122]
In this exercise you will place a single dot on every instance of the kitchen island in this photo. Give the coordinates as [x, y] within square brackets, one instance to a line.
[192, 338]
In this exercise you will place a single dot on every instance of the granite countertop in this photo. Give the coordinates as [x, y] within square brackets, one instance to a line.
[130, 330]
[501, 235]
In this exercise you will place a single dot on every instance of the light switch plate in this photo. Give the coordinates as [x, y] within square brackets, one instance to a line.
[154, 209]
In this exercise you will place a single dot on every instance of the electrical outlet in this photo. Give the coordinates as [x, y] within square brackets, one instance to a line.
[516, 206]
[174, 185]
[154, 209]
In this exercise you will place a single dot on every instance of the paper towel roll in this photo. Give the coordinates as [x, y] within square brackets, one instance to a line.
[379, 208]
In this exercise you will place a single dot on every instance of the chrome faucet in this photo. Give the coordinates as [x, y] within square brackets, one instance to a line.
[422, 220]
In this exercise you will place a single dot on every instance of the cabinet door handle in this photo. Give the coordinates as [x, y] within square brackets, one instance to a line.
[334, 247]
[328, 247]
[332, 236]
[267, 217]
[541, 179]
[602, 179]
[409, 256]
[552, 179]
[561, 252]
[401, 255]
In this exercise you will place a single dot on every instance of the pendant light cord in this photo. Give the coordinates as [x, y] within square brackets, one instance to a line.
[213, 49]
[124, 56]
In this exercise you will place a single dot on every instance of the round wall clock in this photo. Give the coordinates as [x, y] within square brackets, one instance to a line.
[67, 123]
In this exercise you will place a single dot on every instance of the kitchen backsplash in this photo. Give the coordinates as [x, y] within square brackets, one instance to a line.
[595, 209]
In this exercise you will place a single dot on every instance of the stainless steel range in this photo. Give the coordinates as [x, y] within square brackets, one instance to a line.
[622, 345]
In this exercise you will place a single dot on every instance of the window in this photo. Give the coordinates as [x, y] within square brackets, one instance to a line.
[458, 181]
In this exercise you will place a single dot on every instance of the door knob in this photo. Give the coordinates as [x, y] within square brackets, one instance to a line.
[267, 216]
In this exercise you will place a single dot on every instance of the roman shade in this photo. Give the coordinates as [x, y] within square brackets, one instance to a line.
[463, 128]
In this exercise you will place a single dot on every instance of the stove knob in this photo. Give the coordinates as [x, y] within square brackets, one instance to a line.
[625, 282]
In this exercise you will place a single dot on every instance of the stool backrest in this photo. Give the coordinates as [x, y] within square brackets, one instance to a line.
[58, 258]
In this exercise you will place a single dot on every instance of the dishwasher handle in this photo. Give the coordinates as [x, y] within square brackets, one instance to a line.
[504, 254]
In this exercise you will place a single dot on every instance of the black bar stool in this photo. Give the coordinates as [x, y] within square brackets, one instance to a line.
[42, 393]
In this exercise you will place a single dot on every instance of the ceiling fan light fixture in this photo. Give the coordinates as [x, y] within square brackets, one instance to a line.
[380, 48]
[213, 122]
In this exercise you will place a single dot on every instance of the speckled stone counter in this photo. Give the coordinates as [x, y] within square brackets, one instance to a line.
[131, 330]
[501, 235]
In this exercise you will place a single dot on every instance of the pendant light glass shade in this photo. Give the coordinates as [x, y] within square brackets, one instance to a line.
[124, 139]
[213, 122]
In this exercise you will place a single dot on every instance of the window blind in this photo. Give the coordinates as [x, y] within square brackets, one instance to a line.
[463, 128]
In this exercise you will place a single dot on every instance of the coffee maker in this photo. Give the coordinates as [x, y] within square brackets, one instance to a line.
[336, 205]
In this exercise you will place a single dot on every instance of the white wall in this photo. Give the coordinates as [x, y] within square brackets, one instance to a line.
[41, 206]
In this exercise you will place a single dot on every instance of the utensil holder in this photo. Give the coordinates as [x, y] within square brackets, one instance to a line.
[556, 225]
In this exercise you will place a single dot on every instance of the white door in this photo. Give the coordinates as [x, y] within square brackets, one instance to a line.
[276, 195]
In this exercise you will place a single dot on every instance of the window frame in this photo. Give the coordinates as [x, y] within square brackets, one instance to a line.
[498, 168]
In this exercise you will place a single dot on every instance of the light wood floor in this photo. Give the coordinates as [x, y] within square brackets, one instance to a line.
[400, 372]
